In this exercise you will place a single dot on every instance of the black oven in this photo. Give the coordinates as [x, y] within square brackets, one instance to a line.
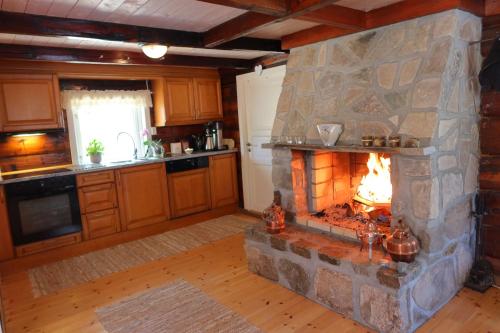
[43, 209]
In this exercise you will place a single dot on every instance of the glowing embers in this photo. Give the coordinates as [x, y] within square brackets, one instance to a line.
[375, 188]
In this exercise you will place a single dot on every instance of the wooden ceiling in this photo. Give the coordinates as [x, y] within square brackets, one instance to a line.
[224, 29]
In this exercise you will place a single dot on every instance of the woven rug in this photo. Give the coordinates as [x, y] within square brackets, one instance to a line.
[176, 307]
[66, 273]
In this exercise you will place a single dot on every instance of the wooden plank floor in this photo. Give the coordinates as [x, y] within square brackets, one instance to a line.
[220, 270]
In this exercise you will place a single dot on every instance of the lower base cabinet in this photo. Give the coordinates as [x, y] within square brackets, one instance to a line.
[98, 204]
[189, 192]
[102, 223]
[142, 195]
[223, 180]
[113, 201]
[6, 245]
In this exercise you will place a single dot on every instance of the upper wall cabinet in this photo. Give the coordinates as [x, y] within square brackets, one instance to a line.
[29, 102]
[208, 99]
[187, 100]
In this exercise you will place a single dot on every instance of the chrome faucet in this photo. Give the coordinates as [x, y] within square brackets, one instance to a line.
[131, 138]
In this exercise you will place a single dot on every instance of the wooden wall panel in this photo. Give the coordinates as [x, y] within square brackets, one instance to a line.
[489, 175]
[20, 153]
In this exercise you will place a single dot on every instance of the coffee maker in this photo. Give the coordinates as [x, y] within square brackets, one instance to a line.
[219, 139]
[213, 133]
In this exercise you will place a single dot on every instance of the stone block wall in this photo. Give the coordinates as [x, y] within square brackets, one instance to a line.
[337, 275]
[417, 78]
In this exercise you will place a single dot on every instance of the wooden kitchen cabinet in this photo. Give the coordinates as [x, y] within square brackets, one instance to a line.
[97, 197]
[177, 101]
[223, 180]
[98, 204]
[187, 100]
[101, 223]
[94, 178]
[142, 195]
[189, 192]
[208, 98]
[6, 245]
[29, 102]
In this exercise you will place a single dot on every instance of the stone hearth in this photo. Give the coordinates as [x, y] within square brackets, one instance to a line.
[416, 79]
[336, 274]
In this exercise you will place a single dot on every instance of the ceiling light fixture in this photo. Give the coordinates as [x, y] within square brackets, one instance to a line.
[154, 51]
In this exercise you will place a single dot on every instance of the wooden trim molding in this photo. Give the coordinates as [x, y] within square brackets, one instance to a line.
[60, 54]
[101, 71]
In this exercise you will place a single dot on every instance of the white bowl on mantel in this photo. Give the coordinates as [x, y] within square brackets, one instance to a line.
[329, 133]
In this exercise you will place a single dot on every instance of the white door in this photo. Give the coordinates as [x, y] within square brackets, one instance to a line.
[257, 101]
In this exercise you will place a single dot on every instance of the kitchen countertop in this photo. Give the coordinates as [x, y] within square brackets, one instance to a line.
[85, 168]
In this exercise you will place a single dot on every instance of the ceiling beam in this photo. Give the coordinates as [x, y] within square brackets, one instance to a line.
[398, 12]
[312, 35]
[332, 15]
[410, 9]
[26, 24]
[337, 16]
[24, 52]
[250, 22]
[268, 7]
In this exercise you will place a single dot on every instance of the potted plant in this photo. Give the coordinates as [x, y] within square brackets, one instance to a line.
[94, 151]
[154, 149]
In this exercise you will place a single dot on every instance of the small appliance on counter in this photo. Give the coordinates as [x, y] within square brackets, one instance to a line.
[197, 142]
[209, 139]
[219, 140]
[214, 137]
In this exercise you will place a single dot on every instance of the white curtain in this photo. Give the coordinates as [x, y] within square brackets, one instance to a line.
[102, 115]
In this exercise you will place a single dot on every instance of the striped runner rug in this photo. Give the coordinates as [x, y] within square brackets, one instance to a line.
[176, 307]
[70, 272]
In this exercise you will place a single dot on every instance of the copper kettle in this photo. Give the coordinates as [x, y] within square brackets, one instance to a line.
[402, 245]
[369, 235]
[274, 216]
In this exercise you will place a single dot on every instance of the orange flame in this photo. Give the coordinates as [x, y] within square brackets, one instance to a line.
[376, 185]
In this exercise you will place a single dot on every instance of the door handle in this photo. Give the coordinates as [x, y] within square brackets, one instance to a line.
[249, 144]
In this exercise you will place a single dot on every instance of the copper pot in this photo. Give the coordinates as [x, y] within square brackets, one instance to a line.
[402, 245]
[274, 216]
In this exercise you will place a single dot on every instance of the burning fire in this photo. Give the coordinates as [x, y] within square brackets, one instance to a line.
[376, 186]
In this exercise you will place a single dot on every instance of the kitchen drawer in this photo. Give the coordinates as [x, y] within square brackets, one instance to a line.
[95, 178]
[97, 197]
[48, 244]
[101, 223]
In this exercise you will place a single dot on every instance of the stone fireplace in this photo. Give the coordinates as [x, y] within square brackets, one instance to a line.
[415, 79]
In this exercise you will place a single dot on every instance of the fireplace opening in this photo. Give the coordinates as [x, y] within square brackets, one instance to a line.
[346, 190]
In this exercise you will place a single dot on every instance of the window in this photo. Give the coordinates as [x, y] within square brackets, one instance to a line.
[102, 115]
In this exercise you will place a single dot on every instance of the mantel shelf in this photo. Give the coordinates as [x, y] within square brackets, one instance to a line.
[424, 151]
